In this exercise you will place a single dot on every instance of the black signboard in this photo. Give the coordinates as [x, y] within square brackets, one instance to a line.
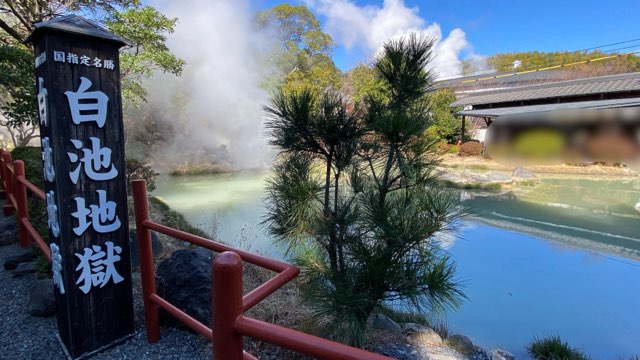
[81, 129]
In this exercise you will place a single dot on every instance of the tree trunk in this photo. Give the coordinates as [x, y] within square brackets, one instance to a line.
[333, 257]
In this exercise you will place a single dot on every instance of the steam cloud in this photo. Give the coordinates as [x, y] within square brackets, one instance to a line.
[369, 27]
[216, 103]
[214, 108]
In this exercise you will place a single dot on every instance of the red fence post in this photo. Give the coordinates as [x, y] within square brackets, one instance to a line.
[226, 274]
[22, 211]
[8, 183]
[147, 272]
[3, 192]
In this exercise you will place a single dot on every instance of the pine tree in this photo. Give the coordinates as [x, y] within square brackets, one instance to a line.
[353, 197]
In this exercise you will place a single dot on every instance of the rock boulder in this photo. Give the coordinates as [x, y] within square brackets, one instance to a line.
[24, 269]
[461, 344]
[184, 280]
[499, 178]
[382, 322]
[8, 224]
[42, 301]
[499, 354]
[8, 237]
[523, 173]
[426, 337]
[156, 247]
[21, 255]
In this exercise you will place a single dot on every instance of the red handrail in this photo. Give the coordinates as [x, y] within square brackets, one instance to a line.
[228, 305]
[15, 186]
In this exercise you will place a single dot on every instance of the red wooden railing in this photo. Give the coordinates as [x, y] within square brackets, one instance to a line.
[228, 305]
[14, 190]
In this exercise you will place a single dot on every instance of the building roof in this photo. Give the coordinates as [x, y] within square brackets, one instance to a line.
[500, 80]
[589, 86]
[74, 24]
[531, 109]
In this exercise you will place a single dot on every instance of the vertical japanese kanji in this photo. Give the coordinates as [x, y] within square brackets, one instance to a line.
[80, 106]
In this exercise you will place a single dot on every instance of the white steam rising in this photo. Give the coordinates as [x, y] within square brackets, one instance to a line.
[216, 103]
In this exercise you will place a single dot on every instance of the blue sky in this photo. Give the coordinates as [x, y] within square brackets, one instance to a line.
[488, 26]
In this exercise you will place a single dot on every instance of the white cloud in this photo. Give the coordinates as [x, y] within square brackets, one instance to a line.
[369, 27]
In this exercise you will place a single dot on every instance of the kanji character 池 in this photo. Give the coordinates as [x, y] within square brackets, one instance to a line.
[96, 161]
[97, 267]
[87, 106]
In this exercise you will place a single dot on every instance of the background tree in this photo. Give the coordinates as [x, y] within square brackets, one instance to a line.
[446, 126]
[143, 26]
[364, 83]
[353, 197]
[303, 56]
[18, 101]
[532, 60]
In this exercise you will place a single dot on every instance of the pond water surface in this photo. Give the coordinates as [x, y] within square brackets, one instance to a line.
[559, 258]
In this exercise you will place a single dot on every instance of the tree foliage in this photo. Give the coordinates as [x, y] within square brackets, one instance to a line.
[446, 126]
[353, 197]
[538, 59]
[18, 104]
[364, 82]
[20, 15]
[303, 57]
[143, 26]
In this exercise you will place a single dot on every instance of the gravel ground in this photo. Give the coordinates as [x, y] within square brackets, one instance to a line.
[23, 336]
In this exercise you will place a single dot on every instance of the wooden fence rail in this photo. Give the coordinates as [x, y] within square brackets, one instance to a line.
[14, 190]
[228, 305]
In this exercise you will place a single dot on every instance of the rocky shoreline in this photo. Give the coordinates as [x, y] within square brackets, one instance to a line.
[492, 180]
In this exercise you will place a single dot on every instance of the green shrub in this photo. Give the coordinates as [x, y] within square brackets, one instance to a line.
[137, 170]
[32, 157]
[553, 348]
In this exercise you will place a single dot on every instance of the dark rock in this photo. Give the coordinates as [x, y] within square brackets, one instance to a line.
[8, 224]
[24, 269]
[184, 280]
[499, 354]
[523, 173]
[22, 255]
[381, 322]
[461, 344]
[42, 301]
[8, 237]
[480, 354]
[156, 247]
[398, 351]
[411, 328]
